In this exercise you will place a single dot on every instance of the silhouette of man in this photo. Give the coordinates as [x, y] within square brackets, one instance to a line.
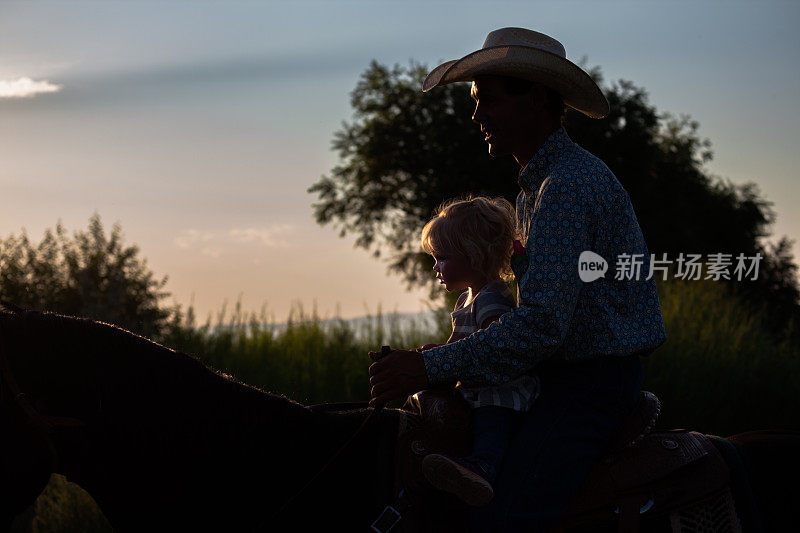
[583, 339]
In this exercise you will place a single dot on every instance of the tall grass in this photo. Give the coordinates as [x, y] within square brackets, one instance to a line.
[308, 359]
[720, 371]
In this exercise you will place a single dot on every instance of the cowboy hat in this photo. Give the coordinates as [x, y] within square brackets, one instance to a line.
[530, 55]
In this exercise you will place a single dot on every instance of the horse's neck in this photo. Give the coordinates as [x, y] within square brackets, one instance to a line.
[213, 443]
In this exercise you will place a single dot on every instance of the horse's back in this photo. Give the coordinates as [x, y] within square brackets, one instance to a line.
[772, 461]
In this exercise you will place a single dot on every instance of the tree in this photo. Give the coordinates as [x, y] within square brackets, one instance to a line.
[403, 155]
[90, 274]
[404, 152]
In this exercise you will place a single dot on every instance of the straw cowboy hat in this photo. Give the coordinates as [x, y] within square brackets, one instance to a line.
[530, 55]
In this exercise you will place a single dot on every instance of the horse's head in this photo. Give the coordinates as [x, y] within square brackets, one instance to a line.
[26, 463]
[50, 362]
[51, 390]
[27, 450]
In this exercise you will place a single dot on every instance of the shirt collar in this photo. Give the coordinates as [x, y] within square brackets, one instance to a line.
[531, 177]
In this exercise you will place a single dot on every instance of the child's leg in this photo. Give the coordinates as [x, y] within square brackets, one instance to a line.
[492, 428]
[471, 478]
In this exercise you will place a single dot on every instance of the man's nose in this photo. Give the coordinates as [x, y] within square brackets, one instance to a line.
[477, 114]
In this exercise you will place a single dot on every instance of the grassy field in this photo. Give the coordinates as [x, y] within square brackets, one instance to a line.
[720, 371]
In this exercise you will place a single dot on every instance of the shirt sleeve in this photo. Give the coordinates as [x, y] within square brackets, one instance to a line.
[559, 230]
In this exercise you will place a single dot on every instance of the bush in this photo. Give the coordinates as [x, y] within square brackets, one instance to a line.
[89, 274]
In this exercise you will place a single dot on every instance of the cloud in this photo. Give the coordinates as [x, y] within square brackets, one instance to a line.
[192, 237]
[215, 244]
[266, 236]
[211, 252]
[26, 88]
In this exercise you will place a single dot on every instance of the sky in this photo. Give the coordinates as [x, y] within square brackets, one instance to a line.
[198, 126]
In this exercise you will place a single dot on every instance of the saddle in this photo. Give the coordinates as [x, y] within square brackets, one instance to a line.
[642, 474]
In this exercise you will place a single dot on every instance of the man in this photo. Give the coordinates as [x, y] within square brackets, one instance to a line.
[583, 339]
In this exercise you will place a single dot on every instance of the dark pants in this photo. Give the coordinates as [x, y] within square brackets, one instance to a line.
[580, 406]
[493, 427]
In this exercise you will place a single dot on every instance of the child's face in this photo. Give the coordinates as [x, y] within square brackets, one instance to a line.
[453, 271]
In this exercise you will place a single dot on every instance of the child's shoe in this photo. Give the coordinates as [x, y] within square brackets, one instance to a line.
[459, 476]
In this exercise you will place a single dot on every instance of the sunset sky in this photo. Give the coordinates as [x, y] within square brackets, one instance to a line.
[199, 126]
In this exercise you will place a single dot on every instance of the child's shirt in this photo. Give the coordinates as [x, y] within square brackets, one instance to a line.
[491, 301]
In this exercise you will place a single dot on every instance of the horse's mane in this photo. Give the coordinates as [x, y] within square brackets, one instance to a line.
[93, 342]
[135, 377]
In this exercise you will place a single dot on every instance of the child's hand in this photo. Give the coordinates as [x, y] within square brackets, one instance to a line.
[395, 375]
[429, 346]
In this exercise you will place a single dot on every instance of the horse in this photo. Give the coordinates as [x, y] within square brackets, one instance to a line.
[161, 441]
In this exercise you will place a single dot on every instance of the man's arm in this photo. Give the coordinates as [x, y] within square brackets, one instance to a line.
[560, 229]
[430, 345]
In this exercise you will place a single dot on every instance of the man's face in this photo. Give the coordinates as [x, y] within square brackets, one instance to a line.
[505, 119]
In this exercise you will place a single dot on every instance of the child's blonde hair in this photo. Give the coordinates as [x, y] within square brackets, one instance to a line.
[480, 229]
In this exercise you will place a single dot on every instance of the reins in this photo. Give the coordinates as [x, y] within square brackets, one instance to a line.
[331, 407]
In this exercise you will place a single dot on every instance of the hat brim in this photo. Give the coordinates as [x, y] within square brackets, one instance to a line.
[575, 86]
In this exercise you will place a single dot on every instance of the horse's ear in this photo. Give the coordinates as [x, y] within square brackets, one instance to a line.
[13, 308]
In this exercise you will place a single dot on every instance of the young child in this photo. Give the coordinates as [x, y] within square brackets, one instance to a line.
[472, 242]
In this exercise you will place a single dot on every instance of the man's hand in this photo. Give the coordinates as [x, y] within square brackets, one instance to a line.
[429, 346]
[396, 375]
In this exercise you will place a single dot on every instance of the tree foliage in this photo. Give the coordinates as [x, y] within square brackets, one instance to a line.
[90, 274]
[404, 152]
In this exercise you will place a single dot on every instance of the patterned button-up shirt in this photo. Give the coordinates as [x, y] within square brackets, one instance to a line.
[570, 202]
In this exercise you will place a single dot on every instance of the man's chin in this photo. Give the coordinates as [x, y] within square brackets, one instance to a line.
[496, 150]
